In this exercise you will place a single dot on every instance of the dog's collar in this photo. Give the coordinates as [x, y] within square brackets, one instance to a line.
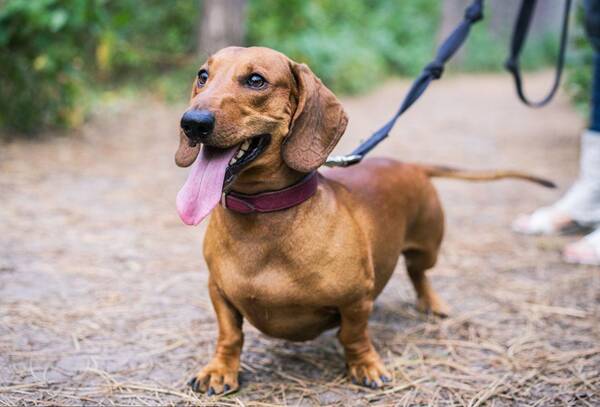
[272, 201]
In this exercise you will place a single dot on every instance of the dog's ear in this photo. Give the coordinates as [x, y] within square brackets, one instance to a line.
[317, 124]
[186, 155]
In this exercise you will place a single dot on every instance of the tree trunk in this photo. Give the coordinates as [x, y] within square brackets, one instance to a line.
[222, 24]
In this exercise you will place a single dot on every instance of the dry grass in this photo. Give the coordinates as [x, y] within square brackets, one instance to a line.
[103, 298]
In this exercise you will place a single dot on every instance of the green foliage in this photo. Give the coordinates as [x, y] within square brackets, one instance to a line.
[57, 54]
[580, 66]
[54, 51]
[350, 44]
[486, 50]
[146, 37]
[43, 47]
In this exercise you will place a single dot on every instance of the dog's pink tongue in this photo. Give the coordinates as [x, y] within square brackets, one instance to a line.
[203, 188]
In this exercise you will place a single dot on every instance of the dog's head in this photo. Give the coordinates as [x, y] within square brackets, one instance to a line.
[252, 109]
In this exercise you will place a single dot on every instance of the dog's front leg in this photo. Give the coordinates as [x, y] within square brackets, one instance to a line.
[364, 364]
[221, 374]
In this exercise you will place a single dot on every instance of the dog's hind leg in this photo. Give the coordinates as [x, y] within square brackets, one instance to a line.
[417, 263]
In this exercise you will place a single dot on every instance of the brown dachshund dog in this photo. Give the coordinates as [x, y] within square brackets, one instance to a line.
[264, 122]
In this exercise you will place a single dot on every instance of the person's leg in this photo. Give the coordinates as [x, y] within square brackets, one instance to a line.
[581, 204]
[587, 250]
[595, 103]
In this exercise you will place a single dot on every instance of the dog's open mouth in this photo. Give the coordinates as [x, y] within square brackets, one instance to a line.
[213, 173]
[247, 152]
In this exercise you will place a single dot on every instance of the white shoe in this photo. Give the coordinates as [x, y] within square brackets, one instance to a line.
[580, 207]
[585, 251]
[545, 221]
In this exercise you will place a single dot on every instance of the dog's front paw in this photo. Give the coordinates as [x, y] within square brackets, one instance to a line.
[218, 377]
[369, 371]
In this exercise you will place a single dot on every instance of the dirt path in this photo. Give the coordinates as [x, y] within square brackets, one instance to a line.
[103, 290]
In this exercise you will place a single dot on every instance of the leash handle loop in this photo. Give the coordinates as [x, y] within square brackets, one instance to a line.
[520, 32]
[449, 47]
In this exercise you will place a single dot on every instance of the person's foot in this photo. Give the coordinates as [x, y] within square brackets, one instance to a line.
[584, 251]
[580, 207]
[548, 220]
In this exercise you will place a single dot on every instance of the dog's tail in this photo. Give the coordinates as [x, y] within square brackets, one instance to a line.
[493, 175]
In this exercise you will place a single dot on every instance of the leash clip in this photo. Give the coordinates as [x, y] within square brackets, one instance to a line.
[342, 160]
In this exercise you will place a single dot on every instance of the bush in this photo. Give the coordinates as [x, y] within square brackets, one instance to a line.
[580, 66]
[487, 52]
[350, 44]
[44, 47]
[54, 51]
[146, 38]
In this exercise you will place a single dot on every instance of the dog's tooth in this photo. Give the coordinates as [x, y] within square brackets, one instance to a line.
[239, 154]
[246, 145]
[233, 160]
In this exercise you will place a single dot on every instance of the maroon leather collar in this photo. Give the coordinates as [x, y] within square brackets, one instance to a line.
[273, 200]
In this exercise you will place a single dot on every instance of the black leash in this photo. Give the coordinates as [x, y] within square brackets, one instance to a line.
[435, 69]
[518, 41]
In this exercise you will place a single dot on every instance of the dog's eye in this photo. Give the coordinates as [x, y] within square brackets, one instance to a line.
[202, 77]
[256, 81]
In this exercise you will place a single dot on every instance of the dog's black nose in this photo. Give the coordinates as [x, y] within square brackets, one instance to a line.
[197, 124]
